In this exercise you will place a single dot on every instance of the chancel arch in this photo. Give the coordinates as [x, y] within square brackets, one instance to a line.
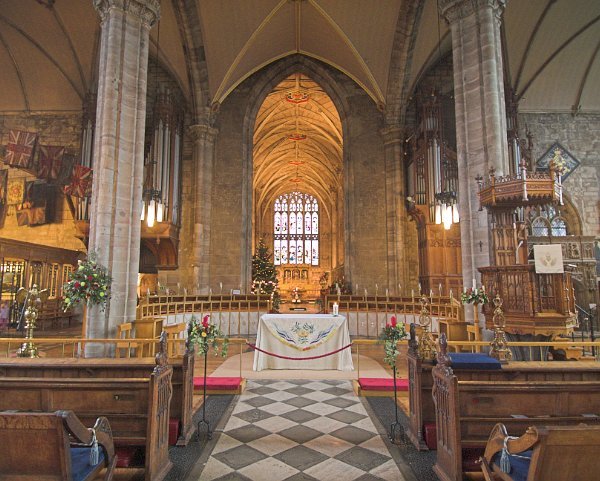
[298, 172]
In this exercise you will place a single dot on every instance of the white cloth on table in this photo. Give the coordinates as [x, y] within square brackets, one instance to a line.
[303, 336]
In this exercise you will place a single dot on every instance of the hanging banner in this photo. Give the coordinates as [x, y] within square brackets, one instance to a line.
[50, 162]
[548, 259]
[81, 182]
[19, 150]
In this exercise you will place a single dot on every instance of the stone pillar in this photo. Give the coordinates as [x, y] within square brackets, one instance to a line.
[396, 216]
[204, 137]
[480, 117]
[119, 155]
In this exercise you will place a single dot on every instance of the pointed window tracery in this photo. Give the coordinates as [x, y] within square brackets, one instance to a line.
[296, 229]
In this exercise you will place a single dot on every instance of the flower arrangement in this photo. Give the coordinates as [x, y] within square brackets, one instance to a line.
[391, 334]
[89, 283]
[474, 296]
[205, 335]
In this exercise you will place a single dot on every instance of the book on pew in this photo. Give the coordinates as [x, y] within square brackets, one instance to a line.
[519, 416]
[589, 415]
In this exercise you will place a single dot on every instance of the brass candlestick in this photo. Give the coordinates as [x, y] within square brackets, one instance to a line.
[32, 300]
[499, 344]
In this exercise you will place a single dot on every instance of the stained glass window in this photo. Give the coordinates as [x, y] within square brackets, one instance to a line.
[296, 229]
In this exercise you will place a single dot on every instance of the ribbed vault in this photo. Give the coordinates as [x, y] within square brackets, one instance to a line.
[297, 143]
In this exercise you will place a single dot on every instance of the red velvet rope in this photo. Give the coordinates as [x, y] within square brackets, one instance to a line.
[253, 346]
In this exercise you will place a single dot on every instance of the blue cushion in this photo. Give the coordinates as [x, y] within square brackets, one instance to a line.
[468, 360]
[80, 462]
[519, 464]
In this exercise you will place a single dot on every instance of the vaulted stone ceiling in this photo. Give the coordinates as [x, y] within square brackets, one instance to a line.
[49, 48]
[297, 143]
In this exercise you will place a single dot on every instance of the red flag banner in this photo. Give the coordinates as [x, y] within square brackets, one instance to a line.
[50, 162]
[81, 182]
[19, 151]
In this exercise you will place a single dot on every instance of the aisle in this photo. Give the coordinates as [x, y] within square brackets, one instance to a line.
[301, 430]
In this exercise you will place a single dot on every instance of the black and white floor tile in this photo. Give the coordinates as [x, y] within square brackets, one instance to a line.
[300, 430]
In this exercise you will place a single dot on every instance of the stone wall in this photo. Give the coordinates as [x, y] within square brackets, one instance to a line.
[580, 135]
[63, 129]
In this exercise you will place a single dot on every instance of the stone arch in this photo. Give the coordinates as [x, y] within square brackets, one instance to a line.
[268, 79]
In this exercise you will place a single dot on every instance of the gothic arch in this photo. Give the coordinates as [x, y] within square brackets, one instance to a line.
[267, 79]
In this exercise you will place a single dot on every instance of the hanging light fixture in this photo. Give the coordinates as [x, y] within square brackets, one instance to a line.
[444, 176]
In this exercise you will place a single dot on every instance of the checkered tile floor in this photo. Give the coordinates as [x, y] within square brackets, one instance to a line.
[300, 430]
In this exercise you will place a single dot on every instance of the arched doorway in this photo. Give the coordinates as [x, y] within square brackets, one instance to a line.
[297, 160]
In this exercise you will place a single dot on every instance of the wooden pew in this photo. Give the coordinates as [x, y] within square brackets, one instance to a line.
[421, 406]
[52, 446]
[466, 411]
[549, 453]
[137, 408]
[182, 380]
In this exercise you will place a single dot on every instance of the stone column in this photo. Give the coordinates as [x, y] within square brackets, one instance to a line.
[204, 137]
[480, 117]
[396, 215]
[119, 155]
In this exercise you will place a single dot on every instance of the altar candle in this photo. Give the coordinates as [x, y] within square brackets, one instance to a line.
[148, 292]
[185, 291]
[387, 293]
[431, 293]
[335, 308]
[474, 285]
[365, 292]
[440, 288]
[419, 288]
[412, 294]
[221, 286]
[178, 286]
[451, 295]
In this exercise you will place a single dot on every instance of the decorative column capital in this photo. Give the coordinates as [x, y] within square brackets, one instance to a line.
[202, 133]
[455, 10]
[148, 11]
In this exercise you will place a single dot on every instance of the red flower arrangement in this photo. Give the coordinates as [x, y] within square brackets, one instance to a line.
[205, 335]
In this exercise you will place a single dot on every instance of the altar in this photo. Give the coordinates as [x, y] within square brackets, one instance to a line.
[302, 336]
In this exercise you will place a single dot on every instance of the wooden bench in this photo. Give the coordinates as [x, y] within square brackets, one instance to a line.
[137, 408]
[181, 408]
[53, 446]
[421, 427]
[549, 453]
[466, 411]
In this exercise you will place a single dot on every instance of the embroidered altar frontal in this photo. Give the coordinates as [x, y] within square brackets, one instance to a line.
[303, 337]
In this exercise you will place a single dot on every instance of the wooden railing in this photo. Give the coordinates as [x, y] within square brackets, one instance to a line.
[367, 315]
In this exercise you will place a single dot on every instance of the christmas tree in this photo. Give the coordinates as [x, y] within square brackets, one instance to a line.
[264, 275]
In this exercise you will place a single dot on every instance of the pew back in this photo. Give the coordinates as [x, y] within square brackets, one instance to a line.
[137, 408]
[466, 411]
[422, 408]
[182, 380]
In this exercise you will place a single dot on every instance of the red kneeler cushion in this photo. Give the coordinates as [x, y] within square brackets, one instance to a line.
[217, 383]
[430, 435]
[382, 384]
[129, 456]
[173, 431]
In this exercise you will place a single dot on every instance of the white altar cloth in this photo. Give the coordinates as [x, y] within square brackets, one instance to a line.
[302, 336]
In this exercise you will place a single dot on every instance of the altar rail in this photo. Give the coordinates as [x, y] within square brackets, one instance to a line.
[367, 315]
[235, 315]
[131, 348]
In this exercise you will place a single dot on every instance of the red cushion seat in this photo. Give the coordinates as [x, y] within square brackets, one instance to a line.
[217, 383]
[382, 384]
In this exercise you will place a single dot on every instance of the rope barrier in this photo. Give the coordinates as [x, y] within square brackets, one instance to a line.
[253, 346]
